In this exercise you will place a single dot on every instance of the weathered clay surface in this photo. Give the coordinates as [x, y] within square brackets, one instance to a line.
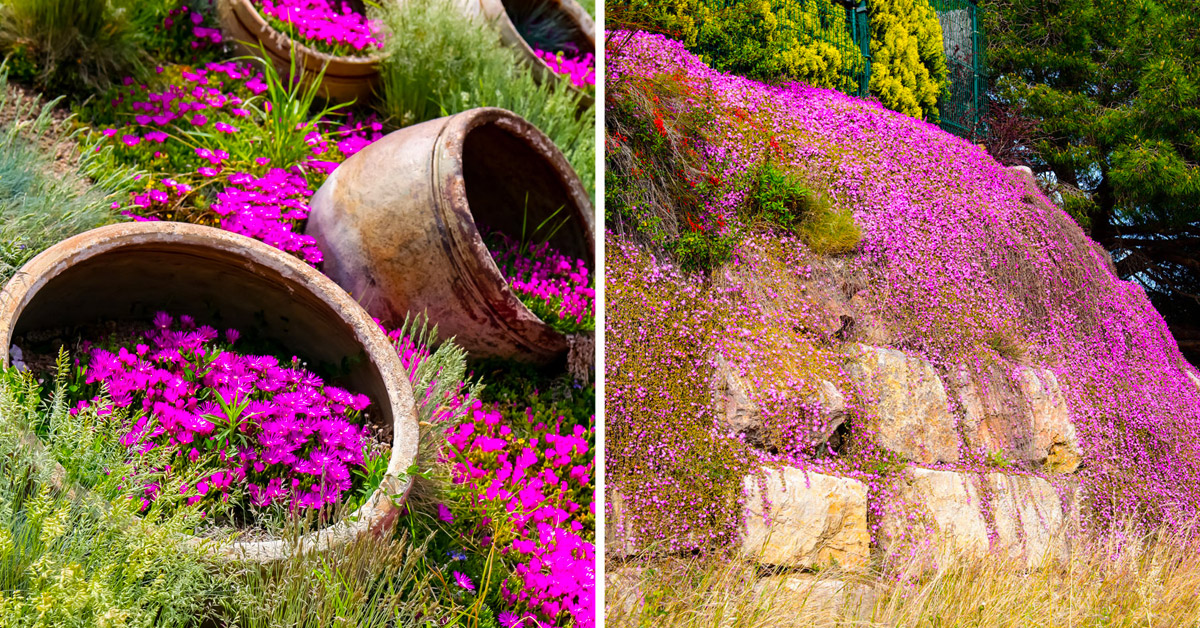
[1031, 520]
[947, 505]
[128, 271]
[737, 410]
[1023, 416]
[907, 396]
[811, 598]
[399, 221]
[815, 519]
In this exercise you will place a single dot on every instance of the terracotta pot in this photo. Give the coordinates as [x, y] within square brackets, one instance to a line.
[583, 31]
[345, 79]
[397, 225]
[129, 271]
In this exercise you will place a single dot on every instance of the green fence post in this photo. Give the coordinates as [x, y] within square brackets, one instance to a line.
[862, 32]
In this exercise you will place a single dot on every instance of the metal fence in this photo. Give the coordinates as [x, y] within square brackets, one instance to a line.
[813, 23]
[963, 107]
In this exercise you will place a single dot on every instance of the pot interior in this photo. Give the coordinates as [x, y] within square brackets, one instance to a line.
[548, 15]
[275, 312]
[511, 187]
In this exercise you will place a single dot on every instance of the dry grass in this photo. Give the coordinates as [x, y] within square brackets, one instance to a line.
[1118, 581]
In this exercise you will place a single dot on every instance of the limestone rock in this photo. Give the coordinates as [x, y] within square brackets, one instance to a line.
[1029, 519]
[1194, 378]
[1023, 416]
[908, 396]
[738, 411]
[1032, 521]
[949, 507]
[810, 598]
[814, 519]
[618, 539]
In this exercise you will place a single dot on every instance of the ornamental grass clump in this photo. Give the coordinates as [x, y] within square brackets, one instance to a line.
[330, 26]
[554, 286]
[439, 63]
[255, 431]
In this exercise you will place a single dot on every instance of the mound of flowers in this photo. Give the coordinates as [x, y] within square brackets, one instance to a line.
[554, 286]
[327, 25]
[969, 268]
[248, 427]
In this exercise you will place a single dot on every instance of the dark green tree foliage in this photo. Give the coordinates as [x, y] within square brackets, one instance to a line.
[1115, 88]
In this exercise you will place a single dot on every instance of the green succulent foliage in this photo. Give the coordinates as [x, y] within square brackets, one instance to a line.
[1115, 88]
[908, 65]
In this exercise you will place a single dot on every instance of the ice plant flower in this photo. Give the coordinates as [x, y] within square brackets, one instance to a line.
[272, 430]
[556, 287]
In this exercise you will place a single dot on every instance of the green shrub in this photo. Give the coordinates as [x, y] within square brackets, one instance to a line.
[71, 46]
[67, 560]
[908, 65]
[439, 63]
[769, 41]
[783, 200]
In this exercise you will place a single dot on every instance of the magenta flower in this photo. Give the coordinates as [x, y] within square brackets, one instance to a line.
[463, 581]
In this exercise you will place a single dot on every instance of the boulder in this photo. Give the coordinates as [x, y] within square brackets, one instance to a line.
[1022, 415]
[944, 515]
[740, 413]
[812, 519]
[1032, 521]
[955, 516]
[908, 398]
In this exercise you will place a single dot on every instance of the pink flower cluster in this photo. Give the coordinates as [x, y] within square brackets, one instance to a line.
[329, 22]
[543, 483]
[580, 70]
[268, 208]
[273, 431]
[554, 286]
[257, 200]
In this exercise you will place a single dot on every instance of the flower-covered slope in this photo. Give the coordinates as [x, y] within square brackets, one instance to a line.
[967, 267]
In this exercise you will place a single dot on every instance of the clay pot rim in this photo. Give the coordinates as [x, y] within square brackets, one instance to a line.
[379, 507]
[466, 122]
[302, 49]
[530, 56]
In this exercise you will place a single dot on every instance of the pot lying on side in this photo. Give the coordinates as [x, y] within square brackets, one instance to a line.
[396, 223]
[129, 271]
[583, 30]
[345, 78]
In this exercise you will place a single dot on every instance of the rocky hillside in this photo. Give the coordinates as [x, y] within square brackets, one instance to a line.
[835, 332]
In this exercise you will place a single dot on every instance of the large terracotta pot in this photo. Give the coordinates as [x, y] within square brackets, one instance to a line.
[129, 271]
[345, 78]
[583, 33]
[396, 223]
